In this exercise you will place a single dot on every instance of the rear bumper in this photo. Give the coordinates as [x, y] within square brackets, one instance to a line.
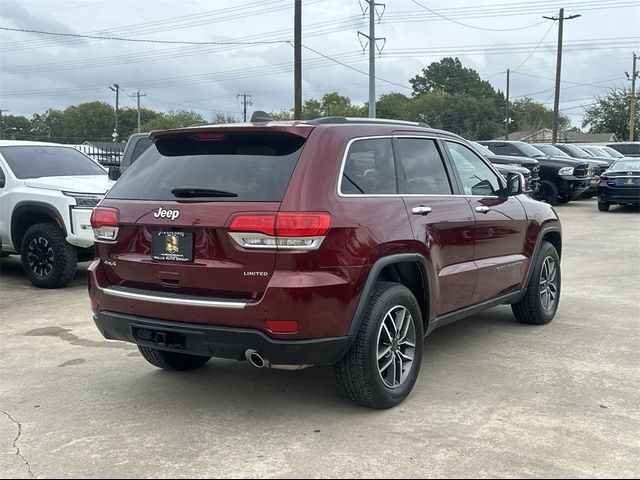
[619, 195]
[222, 342]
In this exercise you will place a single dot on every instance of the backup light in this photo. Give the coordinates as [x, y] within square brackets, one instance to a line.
[105, 223]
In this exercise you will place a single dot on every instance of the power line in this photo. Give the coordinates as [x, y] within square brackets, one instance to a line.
[534, 49]
[473, 26]
[139, 40]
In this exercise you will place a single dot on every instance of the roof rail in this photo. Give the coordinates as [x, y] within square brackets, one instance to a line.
[384, 121]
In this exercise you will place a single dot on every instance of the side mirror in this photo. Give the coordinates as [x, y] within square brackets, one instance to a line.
[515, 184]
[2, 180]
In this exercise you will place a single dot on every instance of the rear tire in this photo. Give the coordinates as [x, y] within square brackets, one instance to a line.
[47, 259]
[547, 193]
[173, 361]
[542, 296]
[603, 206]
[381, 367]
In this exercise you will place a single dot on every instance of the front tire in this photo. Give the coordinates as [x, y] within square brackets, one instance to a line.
[542, 297]
[47, 259]
[547, 193]
[381, 367]
[603, 206]
[173, 361]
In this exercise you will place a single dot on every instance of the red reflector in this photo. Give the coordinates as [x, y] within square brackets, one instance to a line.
[604, 177]
[254, 223]
[282, 326]
[209, 136]
[94, 304]
[101, 216]
[302, 224]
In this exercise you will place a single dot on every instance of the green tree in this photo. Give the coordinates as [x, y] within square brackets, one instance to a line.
[15, 127]
[449, 76]
[282, 115]
[611, 114]
[392, 105]
[224, 118]
[173, 119]
[128, 120]
[331, 105]
[531, 116]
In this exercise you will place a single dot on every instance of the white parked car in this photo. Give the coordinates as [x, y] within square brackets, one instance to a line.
[47, 193]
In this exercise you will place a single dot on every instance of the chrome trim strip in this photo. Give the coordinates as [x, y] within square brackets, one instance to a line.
[173, 300]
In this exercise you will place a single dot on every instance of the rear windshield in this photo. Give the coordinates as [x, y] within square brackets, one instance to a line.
[622, 165]
[46, 161]
[253, 167]
[530, 151]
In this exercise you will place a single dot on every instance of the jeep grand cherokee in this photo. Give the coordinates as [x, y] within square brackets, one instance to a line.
[335, 241]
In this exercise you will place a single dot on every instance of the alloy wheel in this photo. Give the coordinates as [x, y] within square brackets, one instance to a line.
[548, 284]
[396, 346]
[40, 256]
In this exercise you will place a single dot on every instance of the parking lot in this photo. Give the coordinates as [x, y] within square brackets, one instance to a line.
[494, 397]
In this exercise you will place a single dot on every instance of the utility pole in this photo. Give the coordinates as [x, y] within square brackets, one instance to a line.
[297, 60]
[556, 101]
[372, 53]
[632, 109]
[245, 103]
[1, 124]
[506, 116]
[138, 95]
[116, 88]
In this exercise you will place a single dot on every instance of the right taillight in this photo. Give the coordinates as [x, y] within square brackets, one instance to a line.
[105, 223]
[291, 230]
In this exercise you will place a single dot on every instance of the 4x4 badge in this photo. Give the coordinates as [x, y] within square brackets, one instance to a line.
[171, 214]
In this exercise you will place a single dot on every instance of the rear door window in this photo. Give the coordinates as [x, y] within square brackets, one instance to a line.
[369, 168]
[423, 167]
[253, 167]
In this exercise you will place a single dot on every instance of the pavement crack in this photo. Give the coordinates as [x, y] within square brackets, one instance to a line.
[15, 443]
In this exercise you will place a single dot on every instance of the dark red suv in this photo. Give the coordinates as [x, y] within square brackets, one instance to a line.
[334, 241]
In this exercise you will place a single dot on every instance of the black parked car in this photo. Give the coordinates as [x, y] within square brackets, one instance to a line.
[597, 165]
[529, 167]
[561, 179]
[628, 149]
[136, 146]
[620, 185]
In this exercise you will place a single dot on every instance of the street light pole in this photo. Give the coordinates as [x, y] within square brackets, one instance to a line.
[632, 108]
[556, 101]
[116, 88]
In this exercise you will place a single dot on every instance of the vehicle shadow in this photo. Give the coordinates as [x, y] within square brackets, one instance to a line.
[11, 269]
[230, 386]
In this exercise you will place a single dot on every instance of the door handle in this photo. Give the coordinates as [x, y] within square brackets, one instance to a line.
[482, 209]
[420, 210]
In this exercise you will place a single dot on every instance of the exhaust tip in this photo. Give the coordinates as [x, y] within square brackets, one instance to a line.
[255, 358]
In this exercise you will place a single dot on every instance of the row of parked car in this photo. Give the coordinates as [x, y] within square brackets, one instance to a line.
[558, 173]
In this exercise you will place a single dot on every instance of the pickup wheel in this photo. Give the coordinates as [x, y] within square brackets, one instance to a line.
[603, 206]
[547, 193]
[176, 362]
[47, 259]
[382, 365]
[541, 299]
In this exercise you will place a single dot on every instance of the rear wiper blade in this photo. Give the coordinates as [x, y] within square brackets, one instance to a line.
[194, 192]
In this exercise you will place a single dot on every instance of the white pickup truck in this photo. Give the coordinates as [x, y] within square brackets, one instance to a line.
[47, 193]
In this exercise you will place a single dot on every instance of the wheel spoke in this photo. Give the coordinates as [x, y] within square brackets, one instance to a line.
[402, 336]
[393, 370]
[385, 351]
[398, 372]
[407, 343]
[387, 333]
[404, 356]
[386, 365]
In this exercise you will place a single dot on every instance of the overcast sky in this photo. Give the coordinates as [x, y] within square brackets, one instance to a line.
[39, 72]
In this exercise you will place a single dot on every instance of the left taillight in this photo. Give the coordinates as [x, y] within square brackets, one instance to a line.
[105, 223]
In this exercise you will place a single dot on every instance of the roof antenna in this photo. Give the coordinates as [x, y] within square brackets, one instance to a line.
[260, 116]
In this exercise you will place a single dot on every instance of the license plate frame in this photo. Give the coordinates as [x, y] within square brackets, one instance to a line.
[172, 246]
